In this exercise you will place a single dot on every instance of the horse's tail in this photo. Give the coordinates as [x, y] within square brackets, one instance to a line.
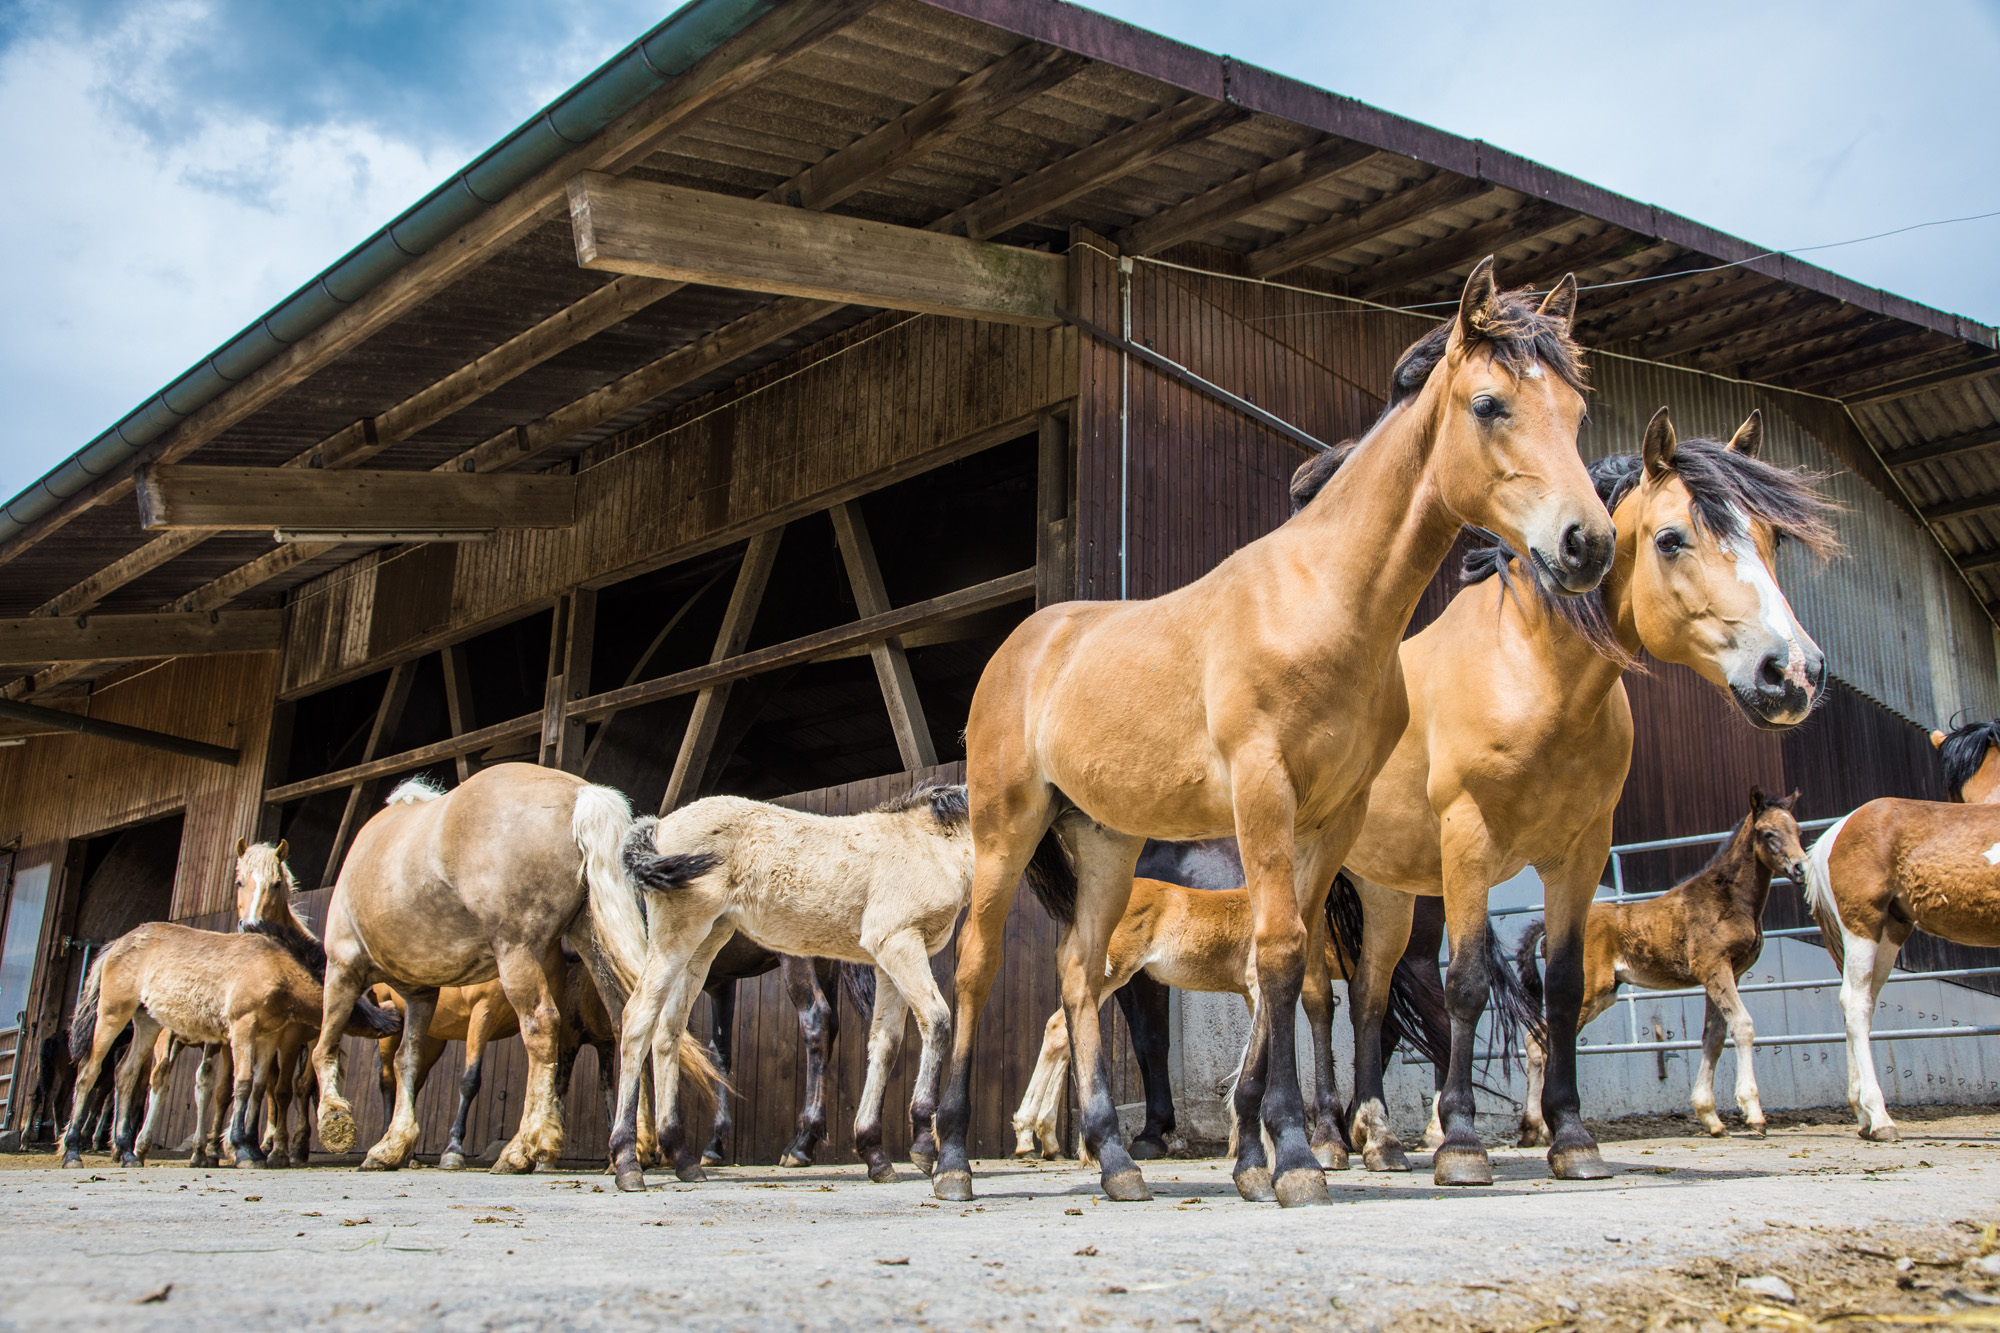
[1052, 879]
[700, 1081]
[600, 822]
[1417, 1010]
[1345, 923]
[857, 983]
[83, 1024]
[1525, 966]
[1819, 891]
[372, 1020]
[1515, 1009]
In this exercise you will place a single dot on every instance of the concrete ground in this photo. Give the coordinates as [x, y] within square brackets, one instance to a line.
[169, 1247]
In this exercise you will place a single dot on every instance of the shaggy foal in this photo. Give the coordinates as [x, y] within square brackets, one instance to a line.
[1707, 932]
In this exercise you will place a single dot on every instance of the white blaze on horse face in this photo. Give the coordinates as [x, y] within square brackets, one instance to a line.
[1773, 608]
[1992, 855]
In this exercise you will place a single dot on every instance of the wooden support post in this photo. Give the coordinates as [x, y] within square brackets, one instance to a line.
[570, 645]
[1055, 571]
[458, 700]
[387, 717]
[706, 721]
[892, 664]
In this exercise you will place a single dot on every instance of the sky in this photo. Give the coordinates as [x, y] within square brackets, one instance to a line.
[176, 167]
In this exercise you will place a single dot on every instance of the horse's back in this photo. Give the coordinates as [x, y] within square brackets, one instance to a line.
[1940, 859]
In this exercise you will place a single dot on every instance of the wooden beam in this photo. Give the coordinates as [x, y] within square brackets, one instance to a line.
[1984, 503]
[624, 225]
[1970, 442]
[892, 663]
[569, 680]
[388, 716]
[645, 660]
[457, 699]
[1784, 307]
[1979, 559]
[1664, 308]
[1111, 158]
[1268, 184]
[1055, 531]
[706, 721]
[1892, 341]
[57, 720]
[1899, 380]
[182, 496]
[528, 724]
[1613, 243]
[1358, 226]
[1860, 335]
[1463, 247]
[99, 638]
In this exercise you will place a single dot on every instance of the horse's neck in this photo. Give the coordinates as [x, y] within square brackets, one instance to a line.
[1582, 676]
[1742, 877]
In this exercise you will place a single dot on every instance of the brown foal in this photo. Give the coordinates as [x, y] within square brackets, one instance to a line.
[1262, 698]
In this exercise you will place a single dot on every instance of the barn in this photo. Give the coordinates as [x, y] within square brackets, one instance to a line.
[990, 304]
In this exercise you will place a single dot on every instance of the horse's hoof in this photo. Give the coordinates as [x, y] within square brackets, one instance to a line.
[710, 1157]
[1579, 1162]
[1384, 1157]
[1302, 1187]
[1147, 1150]
[1461, 1166]
[336, 1128]
[71, 1160]
[793, 1159]
[691, 1173]
[1755, 1129]
[1254, 1184]
[451, 1160]
[632, 1182]
[250, 1164]
[278, 1161]
[1331, 1155]
[1532, 1138]
[1127, 1186]
[925, 1162]
[129, 1159]
[952, 1186]
[883, 1173]
[1885, 1133]
[369, 1163]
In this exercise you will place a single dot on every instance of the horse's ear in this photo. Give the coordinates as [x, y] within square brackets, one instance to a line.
[1937, 740]
[284, 847]
[1758, 801]
[1749, 436]
[1475, 303]
[242, 846]
[1791, 802]
[1658, 450]
[1561, 303]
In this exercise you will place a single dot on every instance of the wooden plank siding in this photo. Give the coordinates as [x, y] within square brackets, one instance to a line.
[899, 396]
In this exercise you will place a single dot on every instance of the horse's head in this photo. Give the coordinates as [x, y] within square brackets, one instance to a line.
[1698, 530]
[1506, 398]
[264, 883]
[1971, 756]
[1774, 831]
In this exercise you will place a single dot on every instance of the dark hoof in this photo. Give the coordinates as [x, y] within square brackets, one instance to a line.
[691, 1173]
[71, 1160]
[278, 1161]
[198, 1161]
[1388, 1157]
[1148, 1150]
[1126, 1186]
[1332, 1155]
[451, 1161]
[1578, 1163]
[1755, 1131]
[925, 1162]
[129, 1159]
[1461, 1166]
[793, 1159]
[632, 1182]
[952, 1186]
[883, 1173]
[1254, 1185]
[711, 1158]
[1303, 1187]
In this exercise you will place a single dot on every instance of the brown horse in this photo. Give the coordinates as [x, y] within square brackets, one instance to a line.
[451, 889]
[1520, 736]
[1706, 931]
[1875, 878]
[1262, 699]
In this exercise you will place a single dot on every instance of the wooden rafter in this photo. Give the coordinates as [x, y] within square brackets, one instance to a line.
[96, 638]
[1763, 314]
[1901, 378]
[1652, 309]
[892, 663]
[571, 642]
[458, 699]
[1612, 243]
[1815, 357]
[1463, 247]
[1358, 226]
[1266, 185]
[706, 721]
[646, 660]
[1936, 450]
[183, 496]
[54, 719]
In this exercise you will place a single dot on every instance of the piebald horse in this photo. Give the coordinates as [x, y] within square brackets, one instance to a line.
[1705, 931]
[1894, 866]
[455, 888]
[1520, 736]
[1262, 699]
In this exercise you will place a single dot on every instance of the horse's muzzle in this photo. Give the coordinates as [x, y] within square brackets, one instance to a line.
[1583, 557]
[1779, 698]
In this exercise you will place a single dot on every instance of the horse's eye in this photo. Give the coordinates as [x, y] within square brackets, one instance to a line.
[1486, 407]
[1669, 541]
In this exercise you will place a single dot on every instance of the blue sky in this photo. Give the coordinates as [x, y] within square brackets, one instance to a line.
[176, 166]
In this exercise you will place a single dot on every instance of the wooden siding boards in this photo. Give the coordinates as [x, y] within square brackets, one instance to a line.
[909, 395]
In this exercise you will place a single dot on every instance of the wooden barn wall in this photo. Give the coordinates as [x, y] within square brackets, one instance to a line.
[900, 396]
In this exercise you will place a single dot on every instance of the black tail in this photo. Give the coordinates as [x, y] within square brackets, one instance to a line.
[1515, 1005]
[857, 983]
[1052, 880]
[1416, 994]
[662, 874]
[83, 1024]
[1525, 967]
[370, 1019]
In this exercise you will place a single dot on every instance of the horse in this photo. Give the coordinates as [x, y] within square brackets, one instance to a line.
[1520, 736]
[1971, 758]
[1705, 931]
[454, 888]
[1263, 698]
[1886, 870]
[1199, 940]
[882, 887]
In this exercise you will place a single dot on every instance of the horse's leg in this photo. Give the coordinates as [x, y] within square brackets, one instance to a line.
[635, 1044]
[250, 1058]
[1385, 933]
[284, 1090]
[1568, 891]
[1865, 966]
[1534, 1130]
[1460, 1159]
[306, 1089]
[667, 1037]
[346, 978]
[1328, 1147]
[138, 1056]
[164, 1051]
[399, 1137]
[204, 1106]
[885, 1043]
[721, 1045]
[1104, 861]
[1144, 1003]
[1036, 1118]
[385, 1075]
[478, 1032]
[1702, 1097]
[1005, 830]
[818, 1021]
[907, 962]
[531, 984]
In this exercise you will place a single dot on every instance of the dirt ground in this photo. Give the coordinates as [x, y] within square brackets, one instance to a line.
[1860, 1234]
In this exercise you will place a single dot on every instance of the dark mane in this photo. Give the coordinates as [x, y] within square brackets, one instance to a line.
[946, 804]
[1313, 474]
[294, 939]
[1585, 614]
[1963, 751]
[1723, 485]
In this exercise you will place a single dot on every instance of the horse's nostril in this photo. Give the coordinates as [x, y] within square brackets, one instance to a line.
[1575, 546]
[1771, 675]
